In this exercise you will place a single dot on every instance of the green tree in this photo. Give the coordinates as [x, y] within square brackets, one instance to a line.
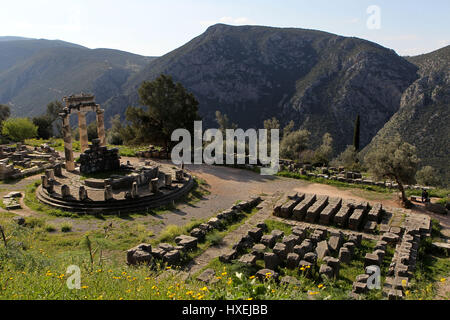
[324, 153]
[270, 124]
[54, 108]
[44, 125]
[356, 134]
[396, 160]
[5, 112]
[92, 131]
[19, 129]
[169, 106]
[113, 135]
[288, 129]
[293, 144]
[428, 176]
[224, 122]
[348, 159]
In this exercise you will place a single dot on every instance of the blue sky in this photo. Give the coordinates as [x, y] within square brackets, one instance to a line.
[154, 28]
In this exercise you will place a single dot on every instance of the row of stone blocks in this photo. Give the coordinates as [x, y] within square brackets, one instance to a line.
[223, 217]
[145, 254]
[293, 251]
[170, 254]
[328, 210]
[401, 267]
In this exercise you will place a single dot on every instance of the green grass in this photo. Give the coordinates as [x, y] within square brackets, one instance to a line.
[40, 271]
[335, 183]
[33, 203]
[431, 267]
[435, 193]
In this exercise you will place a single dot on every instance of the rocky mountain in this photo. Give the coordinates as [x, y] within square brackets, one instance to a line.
[35, 72]
[320, 80]
[424, 115]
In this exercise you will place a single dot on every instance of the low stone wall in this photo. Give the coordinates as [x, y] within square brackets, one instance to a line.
[340, 174]
[67, 202]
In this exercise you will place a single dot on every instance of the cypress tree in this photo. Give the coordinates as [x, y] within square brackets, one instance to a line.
[356, 133]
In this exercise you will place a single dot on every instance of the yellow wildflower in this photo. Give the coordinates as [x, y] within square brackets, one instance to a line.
[204, 289]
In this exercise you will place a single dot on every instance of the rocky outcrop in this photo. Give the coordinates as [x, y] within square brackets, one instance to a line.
[423, 117]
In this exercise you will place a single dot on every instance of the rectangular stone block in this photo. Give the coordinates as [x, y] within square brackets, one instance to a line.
[341, 217]
[375, 213]
[327, 215]
[313, 212]
[299, 212]
[355, 220]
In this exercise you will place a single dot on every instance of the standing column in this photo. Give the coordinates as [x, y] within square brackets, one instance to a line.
[70, 165]
[101, 126]
[82, 127]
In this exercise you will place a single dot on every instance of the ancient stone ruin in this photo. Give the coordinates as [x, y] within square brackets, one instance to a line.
[18, 161]
[172, 254]
[99, 158]
[340, 174]
[80, 104]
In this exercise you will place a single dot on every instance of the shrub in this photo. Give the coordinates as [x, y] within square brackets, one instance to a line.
[33, 222]
[19, 129]
[50, 228]
[66, 227]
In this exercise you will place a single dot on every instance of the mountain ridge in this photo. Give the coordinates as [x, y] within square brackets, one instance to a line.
[266, 72]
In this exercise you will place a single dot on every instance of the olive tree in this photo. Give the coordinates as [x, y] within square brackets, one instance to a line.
[396, 160]
[294, 143]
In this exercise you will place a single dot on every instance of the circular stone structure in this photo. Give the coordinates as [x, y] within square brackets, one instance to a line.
[130, 189]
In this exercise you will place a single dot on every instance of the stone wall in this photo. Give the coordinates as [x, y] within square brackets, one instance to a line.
[99, 159]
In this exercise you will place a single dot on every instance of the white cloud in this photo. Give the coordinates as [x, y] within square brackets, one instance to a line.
[226, 20]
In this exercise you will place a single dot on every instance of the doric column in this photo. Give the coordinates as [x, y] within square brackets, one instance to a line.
[101, 126]
[70, 165]
[82, 127]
